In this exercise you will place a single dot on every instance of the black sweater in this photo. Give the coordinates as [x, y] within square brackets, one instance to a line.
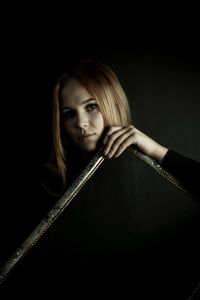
[184, 169]
[115, 228]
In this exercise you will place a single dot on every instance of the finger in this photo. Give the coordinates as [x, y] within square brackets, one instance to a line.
[124, 145]
[110, 130]
[117, 145]
[127, 136]
[112, 138]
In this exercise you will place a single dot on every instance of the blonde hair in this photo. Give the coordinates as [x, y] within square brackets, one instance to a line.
[103, 85]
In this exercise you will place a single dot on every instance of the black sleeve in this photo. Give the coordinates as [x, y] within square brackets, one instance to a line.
[184, 169]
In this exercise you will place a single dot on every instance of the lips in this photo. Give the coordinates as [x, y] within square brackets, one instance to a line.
[86, 136]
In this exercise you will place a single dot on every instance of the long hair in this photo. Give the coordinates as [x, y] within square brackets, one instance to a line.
[103, 85]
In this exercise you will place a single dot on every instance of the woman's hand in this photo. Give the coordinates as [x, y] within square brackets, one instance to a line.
[117, 139]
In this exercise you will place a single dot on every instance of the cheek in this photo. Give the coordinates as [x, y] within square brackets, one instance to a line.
[68, 127]
[99, 122]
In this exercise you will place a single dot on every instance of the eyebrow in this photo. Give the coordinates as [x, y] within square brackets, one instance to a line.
[84, 102]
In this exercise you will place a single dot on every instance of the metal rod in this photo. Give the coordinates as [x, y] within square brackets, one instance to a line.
[158, 168]
[52, 215]
[67, 198]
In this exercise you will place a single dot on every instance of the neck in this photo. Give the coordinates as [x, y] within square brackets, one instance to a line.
[87, 156]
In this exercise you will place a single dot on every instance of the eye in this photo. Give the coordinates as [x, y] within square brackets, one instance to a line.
[91, 107]
[69, 114]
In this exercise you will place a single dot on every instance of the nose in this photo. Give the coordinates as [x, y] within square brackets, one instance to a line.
[81, 121]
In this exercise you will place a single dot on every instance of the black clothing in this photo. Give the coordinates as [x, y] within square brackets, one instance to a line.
[127, 233]
[185, 169]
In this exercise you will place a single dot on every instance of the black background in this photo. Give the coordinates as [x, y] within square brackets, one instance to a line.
[156, 58]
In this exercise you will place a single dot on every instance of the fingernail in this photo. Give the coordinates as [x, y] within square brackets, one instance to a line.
[105, 152]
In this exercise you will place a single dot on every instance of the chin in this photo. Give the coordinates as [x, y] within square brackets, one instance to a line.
[89, 148]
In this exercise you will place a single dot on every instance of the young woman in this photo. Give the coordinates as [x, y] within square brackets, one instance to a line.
[90, 108]
[114, 229]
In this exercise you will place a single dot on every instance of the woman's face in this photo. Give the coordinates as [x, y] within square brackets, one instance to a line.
[82, 118]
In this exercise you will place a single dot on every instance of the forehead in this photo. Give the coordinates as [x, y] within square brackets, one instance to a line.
[73, 93]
